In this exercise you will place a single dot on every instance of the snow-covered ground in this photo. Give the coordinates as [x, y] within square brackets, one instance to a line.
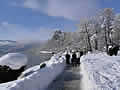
[100, 72]
[35, 78]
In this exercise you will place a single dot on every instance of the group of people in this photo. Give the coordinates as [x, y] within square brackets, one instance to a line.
[73, 57]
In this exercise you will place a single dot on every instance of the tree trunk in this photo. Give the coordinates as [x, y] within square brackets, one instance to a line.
[89, 44]
[106, 41]
[96, 44]
[88, 40]
[96, 41]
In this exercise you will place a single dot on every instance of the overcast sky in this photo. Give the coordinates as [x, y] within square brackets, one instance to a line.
[38, 19]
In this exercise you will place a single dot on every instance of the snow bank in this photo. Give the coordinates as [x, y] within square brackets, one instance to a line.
[100, 72]
[38, 79]
[85, 82]
[44, 52]
[14, 60]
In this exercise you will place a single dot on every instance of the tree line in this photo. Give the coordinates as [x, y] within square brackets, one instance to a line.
[101, 31]
[94, 33]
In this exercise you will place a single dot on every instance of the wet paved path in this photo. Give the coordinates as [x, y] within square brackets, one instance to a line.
[68, 80]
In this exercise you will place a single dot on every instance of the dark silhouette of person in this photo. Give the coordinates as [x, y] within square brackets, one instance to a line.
[113, 50]
[67, 58]
[110, 50]
[74, 59]
[81, 53]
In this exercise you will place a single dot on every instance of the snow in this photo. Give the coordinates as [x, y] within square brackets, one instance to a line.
[100, 72]
[44, 52]
[93, 37]
[35, 78]
[29, 71]
[102, 26]
[14, 60]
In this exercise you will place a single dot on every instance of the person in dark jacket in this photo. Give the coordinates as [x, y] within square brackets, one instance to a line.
[81, 53]
[74, 59]
[113, 50]
[67, 58]
[110, 50]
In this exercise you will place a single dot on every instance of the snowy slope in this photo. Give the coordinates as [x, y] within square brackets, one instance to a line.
[14, 60]
[100, 72]
[35, 78]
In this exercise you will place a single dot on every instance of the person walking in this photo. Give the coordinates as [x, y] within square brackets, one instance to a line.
[74, 59]
[67, 58]
[78, 57]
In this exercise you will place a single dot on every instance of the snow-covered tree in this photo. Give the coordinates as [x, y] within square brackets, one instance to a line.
[108, 18]
[85, 29]
[95, 21]
[116, 29]
[96, 33]
[58, 35]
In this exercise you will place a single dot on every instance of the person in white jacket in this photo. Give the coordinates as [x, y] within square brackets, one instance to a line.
[78, 57]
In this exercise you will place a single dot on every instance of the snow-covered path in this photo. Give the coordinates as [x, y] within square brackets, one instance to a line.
[72, 78]
[68, 80]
